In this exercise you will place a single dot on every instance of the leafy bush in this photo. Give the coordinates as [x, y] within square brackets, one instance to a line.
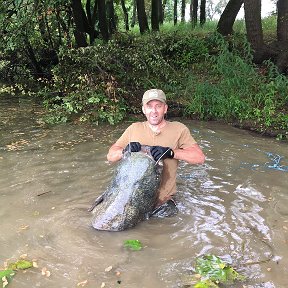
[99, 83]
[234, 90]
[83, 87]
[183, 49]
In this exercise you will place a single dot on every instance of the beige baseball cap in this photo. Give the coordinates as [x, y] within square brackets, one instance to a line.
[153, 94]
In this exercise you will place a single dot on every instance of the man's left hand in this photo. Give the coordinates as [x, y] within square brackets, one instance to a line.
[159, 152]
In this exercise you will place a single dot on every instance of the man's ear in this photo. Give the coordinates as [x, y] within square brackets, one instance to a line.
[166, 108]
[143, 110]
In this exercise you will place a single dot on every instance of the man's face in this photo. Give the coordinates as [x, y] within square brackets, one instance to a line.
[154, 111]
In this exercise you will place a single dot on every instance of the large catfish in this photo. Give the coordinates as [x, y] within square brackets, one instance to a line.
[132, 194]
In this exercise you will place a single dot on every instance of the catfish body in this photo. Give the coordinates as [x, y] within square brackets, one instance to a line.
[131, 195]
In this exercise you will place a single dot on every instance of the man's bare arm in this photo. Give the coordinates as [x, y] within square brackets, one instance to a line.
[192, 155]
[114, 153]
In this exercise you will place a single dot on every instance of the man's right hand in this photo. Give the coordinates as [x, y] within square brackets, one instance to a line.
[133, 147]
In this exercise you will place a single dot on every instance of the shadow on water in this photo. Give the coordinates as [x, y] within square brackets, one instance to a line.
[234, 206]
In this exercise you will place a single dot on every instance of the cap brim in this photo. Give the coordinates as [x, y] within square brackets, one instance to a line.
[145, 101]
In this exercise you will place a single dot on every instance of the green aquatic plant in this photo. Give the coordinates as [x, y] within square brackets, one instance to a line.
[206, 284]
[20, 265]
[134, 245]
[211, 272]
[213, 268]
[7, 274]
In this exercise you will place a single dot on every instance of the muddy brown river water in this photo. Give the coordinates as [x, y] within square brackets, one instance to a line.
[234, 206]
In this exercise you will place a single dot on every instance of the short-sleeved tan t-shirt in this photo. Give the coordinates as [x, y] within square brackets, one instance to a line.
[174, 135]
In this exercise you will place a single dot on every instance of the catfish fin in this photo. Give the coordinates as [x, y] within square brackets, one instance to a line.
[97, 202]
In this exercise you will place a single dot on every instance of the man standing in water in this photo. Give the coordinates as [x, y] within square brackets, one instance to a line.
[170, 141]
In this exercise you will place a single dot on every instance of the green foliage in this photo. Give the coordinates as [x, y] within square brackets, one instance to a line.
[216, 270]
[235, 90]
[20, 265]
[184, 50]
[207, 283]
[31, 32]
[5, 277]
[212, 272]
[7, 274]
[96, 83]
[83, 88]
[268, 25]
[134, 245]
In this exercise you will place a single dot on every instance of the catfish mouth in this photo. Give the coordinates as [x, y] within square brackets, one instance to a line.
[102, 223]
[106, 227]
[146, 149]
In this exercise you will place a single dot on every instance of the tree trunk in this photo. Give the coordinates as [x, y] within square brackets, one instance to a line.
[91, 19]
[161, 11]
[227, 18]
[42, 22]
[125, 12]
[175, 12]
[252, 9]
[191, 10]
[60, 36]
[111, 17]
[66, 25]
[183, 6]
[31, 55]
[79, 31]
[194, 13]
[155, 15]
[103, 25]
[42, 29]
[282, 20]
[163, 8]
[202, 12]
[134, 15]
[282, 36]
[142, 17]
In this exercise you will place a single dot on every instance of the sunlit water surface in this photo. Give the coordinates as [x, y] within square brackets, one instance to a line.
[234, 206]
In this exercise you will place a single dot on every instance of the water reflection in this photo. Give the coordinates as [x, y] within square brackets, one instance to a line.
[234, 206]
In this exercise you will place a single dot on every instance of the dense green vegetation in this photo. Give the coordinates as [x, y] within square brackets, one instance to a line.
[210, 77]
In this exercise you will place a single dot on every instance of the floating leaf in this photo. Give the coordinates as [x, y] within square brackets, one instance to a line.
[6, 276]
[206, 284]
[7, 273]
[213, 268]
[133, 244]
[20, 265]
[211, 272]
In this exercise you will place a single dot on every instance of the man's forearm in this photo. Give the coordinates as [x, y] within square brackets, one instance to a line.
[114, 153]
[192, 155]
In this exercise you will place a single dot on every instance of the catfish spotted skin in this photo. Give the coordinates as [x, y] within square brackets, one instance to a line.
[132, 194]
